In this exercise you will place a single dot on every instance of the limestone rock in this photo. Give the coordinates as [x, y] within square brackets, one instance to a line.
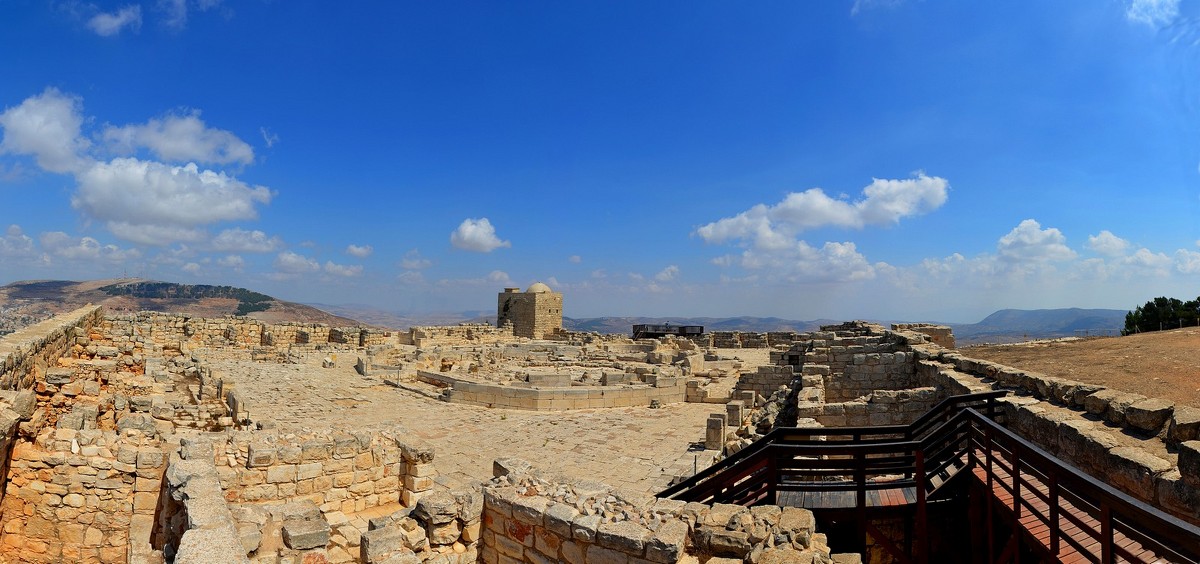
[1149, 415]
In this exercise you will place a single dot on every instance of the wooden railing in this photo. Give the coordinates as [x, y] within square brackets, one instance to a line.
[1100, 513]
[952, 439]
[710, 484]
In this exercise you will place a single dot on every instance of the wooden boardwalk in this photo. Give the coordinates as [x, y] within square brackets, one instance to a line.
[1079, 532]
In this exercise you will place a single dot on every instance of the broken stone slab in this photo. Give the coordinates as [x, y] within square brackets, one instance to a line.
[436, 509]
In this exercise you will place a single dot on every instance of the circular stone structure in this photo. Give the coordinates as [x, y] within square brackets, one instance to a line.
[538, 288]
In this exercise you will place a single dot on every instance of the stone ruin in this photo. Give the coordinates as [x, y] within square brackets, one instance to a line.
[123, 444]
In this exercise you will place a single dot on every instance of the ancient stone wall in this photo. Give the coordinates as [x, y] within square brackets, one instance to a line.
[765, 380]
[474, 333]
[174, 330]
[941, 335]
[85, 496]
[532, 517]
[662, 389]
[25, 354]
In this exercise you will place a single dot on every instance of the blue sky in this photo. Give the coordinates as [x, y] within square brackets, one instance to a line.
[919, 160]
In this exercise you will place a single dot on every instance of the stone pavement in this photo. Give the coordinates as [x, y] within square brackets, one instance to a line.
[636, 448]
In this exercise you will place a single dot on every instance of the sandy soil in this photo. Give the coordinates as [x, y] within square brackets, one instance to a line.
[1161, 364]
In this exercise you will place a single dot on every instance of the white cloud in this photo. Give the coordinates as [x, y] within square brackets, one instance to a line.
[1148, 262]
[1154, 13]
[860, 5]
[180, 138]
[109, 24]
[269, 138]
[493, 279]
[667, 274]
[134, 194]
[885, 202]
[477, 235]
[1107, 244]
[143, 201]
[175, 13]
[1029, 242]
[414, 261]
[15, 243]
[360, 252]
[833, 262]
[343, 269]
[191, 268]
[238, 240]
[574, 259]
[288, 262]
[61, 245]
[47, 127]
[232, 261]
[411, 277]
[499, 277]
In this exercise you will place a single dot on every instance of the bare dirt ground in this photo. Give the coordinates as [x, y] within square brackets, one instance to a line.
[1162, 364]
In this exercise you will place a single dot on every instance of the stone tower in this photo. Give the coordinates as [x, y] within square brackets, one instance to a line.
[534, 313]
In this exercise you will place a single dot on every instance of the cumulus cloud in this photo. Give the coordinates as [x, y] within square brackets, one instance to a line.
[108, 24]
[1107, 244]
[1029, 242]
[46, 127]
[477, 235]
[143, 201]
[884, 202]
[363, 251]
[833, 262]
[15, 243]
[61, 245]
[574, 259]
[414, 261]
[667, 274]
[1154, 13]
[342, 269]
[179, 138]
[288, 262]
[191, 268]
[152, 194]
[234, 262]
[238, 240]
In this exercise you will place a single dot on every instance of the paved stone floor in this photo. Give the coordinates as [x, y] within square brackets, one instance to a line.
[636, 448]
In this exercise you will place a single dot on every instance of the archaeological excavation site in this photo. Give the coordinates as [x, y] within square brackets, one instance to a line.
[151, 437]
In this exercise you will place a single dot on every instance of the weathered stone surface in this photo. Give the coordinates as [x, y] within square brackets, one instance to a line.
[376, 545]
[1185, 424]
[437, 508]
[1133, 470]
[1149, 415]
[666, 545]
[625, 536]
[1189, 463]
[306, 534]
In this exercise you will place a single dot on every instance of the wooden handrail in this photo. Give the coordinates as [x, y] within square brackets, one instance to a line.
[829, 436]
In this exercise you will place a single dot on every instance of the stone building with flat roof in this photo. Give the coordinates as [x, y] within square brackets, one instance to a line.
[534, 313]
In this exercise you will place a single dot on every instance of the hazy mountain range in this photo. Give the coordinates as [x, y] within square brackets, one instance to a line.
[55, 296]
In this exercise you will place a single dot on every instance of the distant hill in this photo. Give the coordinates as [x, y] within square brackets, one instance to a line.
[48, 297]
[1009, 325]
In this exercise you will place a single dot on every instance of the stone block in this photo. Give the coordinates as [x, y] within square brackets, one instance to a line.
[303, 534]
[1185, 425]
[1149, 415]
[378, 544]
[625, 536]
[1189, 463]
[666, 545]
